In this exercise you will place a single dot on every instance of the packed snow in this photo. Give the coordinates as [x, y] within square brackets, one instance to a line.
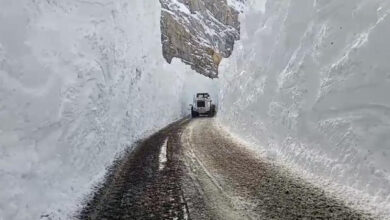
[162, 157]
[309, 83]
[79, 82]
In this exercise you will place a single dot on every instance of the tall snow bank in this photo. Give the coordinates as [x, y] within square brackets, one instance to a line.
[310, 81]
[79, 82]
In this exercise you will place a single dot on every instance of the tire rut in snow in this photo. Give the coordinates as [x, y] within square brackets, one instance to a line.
[139, 186]
[257, 187]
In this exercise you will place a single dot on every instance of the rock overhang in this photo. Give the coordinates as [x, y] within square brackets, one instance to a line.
[199, 32]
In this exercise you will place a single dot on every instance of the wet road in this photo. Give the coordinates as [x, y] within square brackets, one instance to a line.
[192, 169]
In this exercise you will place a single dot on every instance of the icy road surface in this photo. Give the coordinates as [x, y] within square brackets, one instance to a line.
[193, 169]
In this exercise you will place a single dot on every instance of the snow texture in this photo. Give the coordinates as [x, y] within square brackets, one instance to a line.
[310, 82]
[79, 82]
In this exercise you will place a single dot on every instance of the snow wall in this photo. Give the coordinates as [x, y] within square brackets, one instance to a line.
[79, 82]
[310, 83]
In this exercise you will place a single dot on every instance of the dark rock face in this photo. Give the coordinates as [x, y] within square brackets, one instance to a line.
[199, 32]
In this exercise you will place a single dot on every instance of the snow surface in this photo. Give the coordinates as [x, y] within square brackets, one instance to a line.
[79, 82]
[310, 82]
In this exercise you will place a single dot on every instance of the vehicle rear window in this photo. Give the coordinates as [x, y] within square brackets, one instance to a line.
[202, 95]
[201, 104]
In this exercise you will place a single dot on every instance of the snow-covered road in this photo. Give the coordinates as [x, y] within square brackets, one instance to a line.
[193, 169]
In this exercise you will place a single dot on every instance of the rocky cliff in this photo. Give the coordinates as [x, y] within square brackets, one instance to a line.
[199, 32]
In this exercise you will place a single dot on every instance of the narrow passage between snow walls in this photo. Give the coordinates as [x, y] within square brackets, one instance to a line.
[80, 81]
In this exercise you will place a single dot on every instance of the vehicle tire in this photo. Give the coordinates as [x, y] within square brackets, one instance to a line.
[212, 111]
[194, 114]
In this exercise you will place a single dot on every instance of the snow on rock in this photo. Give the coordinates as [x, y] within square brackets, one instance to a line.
[199, 32]
[79, 82]
[310, 81]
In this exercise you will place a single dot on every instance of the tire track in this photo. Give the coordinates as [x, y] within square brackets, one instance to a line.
[257, 187]
[193, 170]
[138, 187]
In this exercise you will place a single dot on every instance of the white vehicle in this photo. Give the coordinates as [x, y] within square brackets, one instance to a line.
[202, 106]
